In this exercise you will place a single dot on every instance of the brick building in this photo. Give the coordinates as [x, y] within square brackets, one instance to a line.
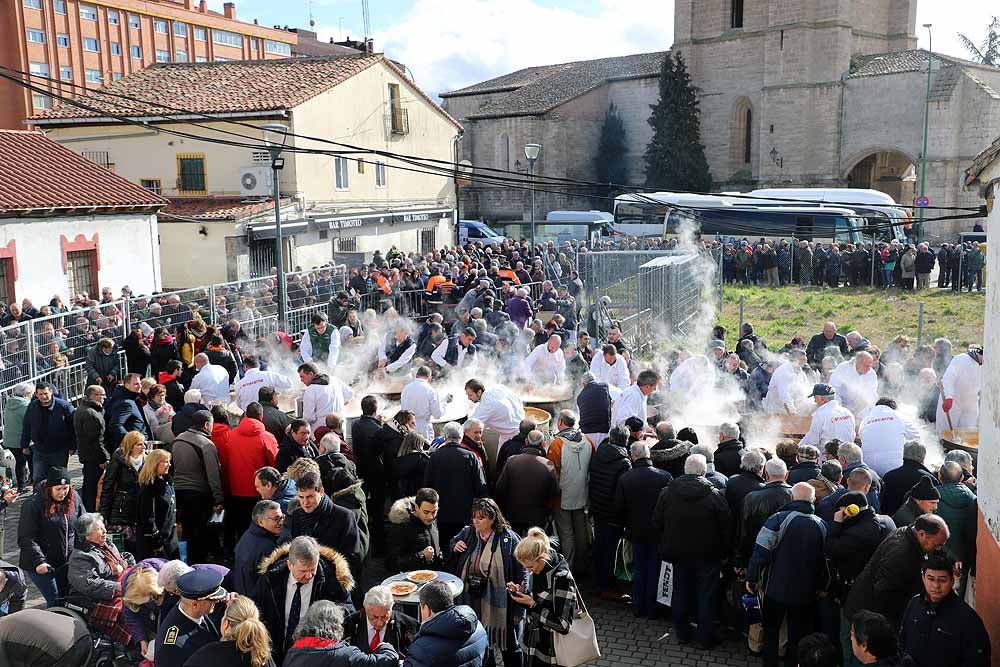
[94, 42]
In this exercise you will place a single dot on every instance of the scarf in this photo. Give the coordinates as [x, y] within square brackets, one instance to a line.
[53, 507]
[112, 558]
[313, 642]
[492, 607]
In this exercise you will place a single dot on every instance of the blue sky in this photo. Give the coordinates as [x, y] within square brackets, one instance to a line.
[448, 44]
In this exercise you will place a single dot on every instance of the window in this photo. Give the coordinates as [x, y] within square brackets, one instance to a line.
[180, 56]
[349, 244]
[361, 166]
[116, 49]
[133, 21]
[7, 278]
[220, 59]
[66, 73]
[160, 26]
[33, 4]
[60, 6]
[340, 173]
[41, 69]
[254, 44]
[114, 18]
[136, 51]
[81, 271]
[152, 184]
[191, 173]
[380, 174]
[200, 59]
[62, 40]
[277, 48]
[162, 56]
[736, 14]
[88, 12]
[94, 76]
[36, 36]
[180, 29]
[741, 134]
[748, 137]
[90, 44]
[102, 158]
[395, 108]
[41, 101]
[226, 37]
[200, 34]
[117, 76]
[428, 240]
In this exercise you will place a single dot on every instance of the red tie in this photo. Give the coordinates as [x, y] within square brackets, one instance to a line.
[374, 643]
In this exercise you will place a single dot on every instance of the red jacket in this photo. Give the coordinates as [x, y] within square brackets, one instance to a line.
[249, 449]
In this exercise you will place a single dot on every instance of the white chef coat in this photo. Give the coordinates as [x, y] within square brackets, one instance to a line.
[788, 386]
[694, 376]
[542, 366]
[632, 403]
[438, 355]
[961, 382]
[883, 433]
[249, 385]
[855, 392]
[320, 400]
[306, 348]
[402, 362]
[616, 375]
[830, 420]
[213, 383]
[500, 410]
[420, 398]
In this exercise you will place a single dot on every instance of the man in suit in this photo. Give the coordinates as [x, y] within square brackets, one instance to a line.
[377, 622]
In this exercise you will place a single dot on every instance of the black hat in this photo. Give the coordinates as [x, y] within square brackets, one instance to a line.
[634, 424]
[201, 584]
[58, 477]
[924, 490]
[821, 389]
[852, 498]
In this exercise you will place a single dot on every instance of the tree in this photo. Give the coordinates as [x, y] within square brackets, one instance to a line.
[988, 52]
[610, 164]
[675, 158]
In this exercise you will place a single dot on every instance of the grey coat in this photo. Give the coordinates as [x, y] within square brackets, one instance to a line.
[90, 575]
[196, 464]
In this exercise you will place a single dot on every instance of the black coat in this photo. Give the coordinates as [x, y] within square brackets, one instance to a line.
[253, 546]
[136, 356]
[289, 452]
[156, 532]
[456, 474]
[815, 350]
[898, 482]
[59, 437]
[332, 525]
[336, 471]
[221, 654]
[389, 439]
[175, 394]
[46, 539]
[508, 449]
[408, 537]
[944, 634]
[638, 490]
[122, 414]
[276, 421]
[88, 422]
[410, 471]
[339, 655]
[366, 446]
[594, 403]
[399, 631]
[182, 420]
[526, 487]
[737, 488]
[670, 455]
[850, 544]
[160, 354]
[757, 507]
[803, 472]
[691, 506]
[607, 465]
[890, 579]
[120, 492]
[727, 457]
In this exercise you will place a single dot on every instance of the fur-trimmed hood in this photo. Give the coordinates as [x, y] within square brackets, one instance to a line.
[346, 491]
[331, 556]
[400, 511]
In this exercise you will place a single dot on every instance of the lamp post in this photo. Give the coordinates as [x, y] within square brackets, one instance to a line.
[531, 152]
[927, 118]
[276, 134]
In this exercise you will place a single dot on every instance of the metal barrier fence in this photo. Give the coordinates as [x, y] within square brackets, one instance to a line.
[599, 270]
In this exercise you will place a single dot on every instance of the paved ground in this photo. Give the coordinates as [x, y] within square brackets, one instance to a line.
[624, 640]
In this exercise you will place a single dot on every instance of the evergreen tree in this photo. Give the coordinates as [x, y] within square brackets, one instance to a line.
[675, 158]
[610, 165]
[988, 51]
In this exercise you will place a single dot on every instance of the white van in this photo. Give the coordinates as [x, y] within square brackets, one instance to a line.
[561, 226]
[478, 232]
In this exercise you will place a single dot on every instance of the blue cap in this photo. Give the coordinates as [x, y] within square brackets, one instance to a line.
[823, 390]
[201, 585]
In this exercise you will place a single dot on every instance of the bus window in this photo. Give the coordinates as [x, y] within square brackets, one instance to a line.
[804, 227]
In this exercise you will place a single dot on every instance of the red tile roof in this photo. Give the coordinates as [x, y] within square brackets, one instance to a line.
[37, 173]
[237, 86]
[216, 208]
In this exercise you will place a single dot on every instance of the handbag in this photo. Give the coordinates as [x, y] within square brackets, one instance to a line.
[579, 644]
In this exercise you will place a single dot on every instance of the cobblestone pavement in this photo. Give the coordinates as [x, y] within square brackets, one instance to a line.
[624, 639]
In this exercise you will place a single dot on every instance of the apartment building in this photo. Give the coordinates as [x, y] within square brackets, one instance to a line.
[93, 42]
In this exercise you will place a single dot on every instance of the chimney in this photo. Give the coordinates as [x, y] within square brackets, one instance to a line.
[229, 9]
[202, 7]
[189, 5]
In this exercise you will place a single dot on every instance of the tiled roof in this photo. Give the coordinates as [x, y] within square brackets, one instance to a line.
[216, 208]
[537, 90]
[37, 173]
[900, 62]
[981, 161]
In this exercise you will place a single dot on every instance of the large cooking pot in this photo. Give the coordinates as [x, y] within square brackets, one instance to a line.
[966, 439]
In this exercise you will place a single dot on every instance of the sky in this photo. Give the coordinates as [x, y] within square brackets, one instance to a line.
[449, 44]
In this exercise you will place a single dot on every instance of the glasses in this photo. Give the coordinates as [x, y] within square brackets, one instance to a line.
[277, 518]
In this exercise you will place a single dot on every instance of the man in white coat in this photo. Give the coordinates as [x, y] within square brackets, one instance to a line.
[420, 398]
[498, 408]
[883, 433]
[248, 387]
[830, 420]
[633, 401]
[960, 386]
[396, 350]
[324, 395]
[788, 386]
[693, 378]
[211, 380]
[610, 368]
[546, 364]
[856, 384]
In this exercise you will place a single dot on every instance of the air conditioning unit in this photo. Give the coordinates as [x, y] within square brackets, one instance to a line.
[255, 181]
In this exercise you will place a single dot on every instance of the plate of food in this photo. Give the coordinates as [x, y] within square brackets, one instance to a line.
[422, 576]
[402, 588]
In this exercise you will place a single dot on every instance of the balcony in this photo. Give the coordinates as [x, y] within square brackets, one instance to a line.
[397, 121]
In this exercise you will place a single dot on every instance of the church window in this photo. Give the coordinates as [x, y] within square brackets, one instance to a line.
[736, 14]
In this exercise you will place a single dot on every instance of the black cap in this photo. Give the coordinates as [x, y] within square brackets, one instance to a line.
[201, 584]
[57, 477]
[924, 490]
[821, 389]
[634, 424]
[852, 498]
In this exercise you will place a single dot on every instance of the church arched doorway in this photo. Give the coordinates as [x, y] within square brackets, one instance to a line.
[887, 171]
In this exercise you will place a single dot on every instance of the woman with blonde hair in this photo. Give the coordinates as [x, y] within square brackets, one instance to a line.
[120, 489]
[156, 530]
[245, 641]
[141, 598]
[550, 596]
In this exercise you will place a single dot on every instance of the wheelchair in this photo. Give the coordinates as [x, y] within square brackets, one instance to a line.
[104, 651]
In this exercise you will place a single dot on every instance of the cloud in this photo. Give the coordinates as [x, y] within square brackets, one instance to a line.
[448, 45]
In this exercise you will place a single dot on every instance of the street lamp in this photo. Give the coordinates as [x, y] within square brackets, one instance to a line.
[531, 152]
[927, 118]
[276, 134]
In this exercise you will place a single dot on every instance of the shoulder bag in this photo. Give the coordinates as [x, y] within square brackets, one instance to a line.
[579, 645]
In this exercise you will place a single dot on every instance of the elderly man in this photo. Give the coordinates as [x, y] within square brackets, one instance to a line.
[254, 379]
[322, 640]
[324, 395]
[546, 364]
[851, 458]
[788, 385]
[856, 342]
[258, 541]
[897, 482]
[379, 623]
[730, 450]
[528, 485]
[856, 384]
[457, 475]
[570, 453]
[830, 419]
[633, 401]
[498, 408]
[610, 368]
[198, 483]
[211, 380]
[449, 634]
[883, 433]
[424, 402]
[759, 505]
[958, 404]
[396, 350]
[818, 344]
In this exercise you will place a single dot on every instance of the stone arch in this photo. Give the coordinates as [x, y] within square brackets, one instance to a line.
[503, 152]
[741, 135]
[885, 169]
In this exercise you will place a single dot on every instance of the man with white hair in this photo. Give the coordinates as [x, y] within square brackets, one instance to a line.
[790, 547]
[883, 433]
[788, 386]
[211, 380]
[378, 622]
[546, 364]
[396, 349]
[958, 404]
[856, 384]
[830, 419]
[717, 479]
[856, 342]
[759, 505]
[851, 458]
[420, 398]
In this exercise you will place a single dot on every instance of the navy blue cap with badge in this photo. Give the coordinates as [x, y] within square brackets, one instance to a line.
[821, 389]
[202, 584]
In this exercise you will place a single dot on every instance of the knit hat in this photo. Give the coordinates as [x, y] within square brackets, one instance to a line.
[924, 490]
[57, 477]
[634, 424]
[853, 498]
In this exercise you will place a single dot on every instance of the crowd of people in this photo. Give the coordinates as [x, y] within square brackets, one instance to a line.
[212, 526]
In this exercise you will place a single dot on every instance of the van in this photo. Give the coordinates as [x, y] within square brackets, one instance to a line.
[562, 226]
[478, 232]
